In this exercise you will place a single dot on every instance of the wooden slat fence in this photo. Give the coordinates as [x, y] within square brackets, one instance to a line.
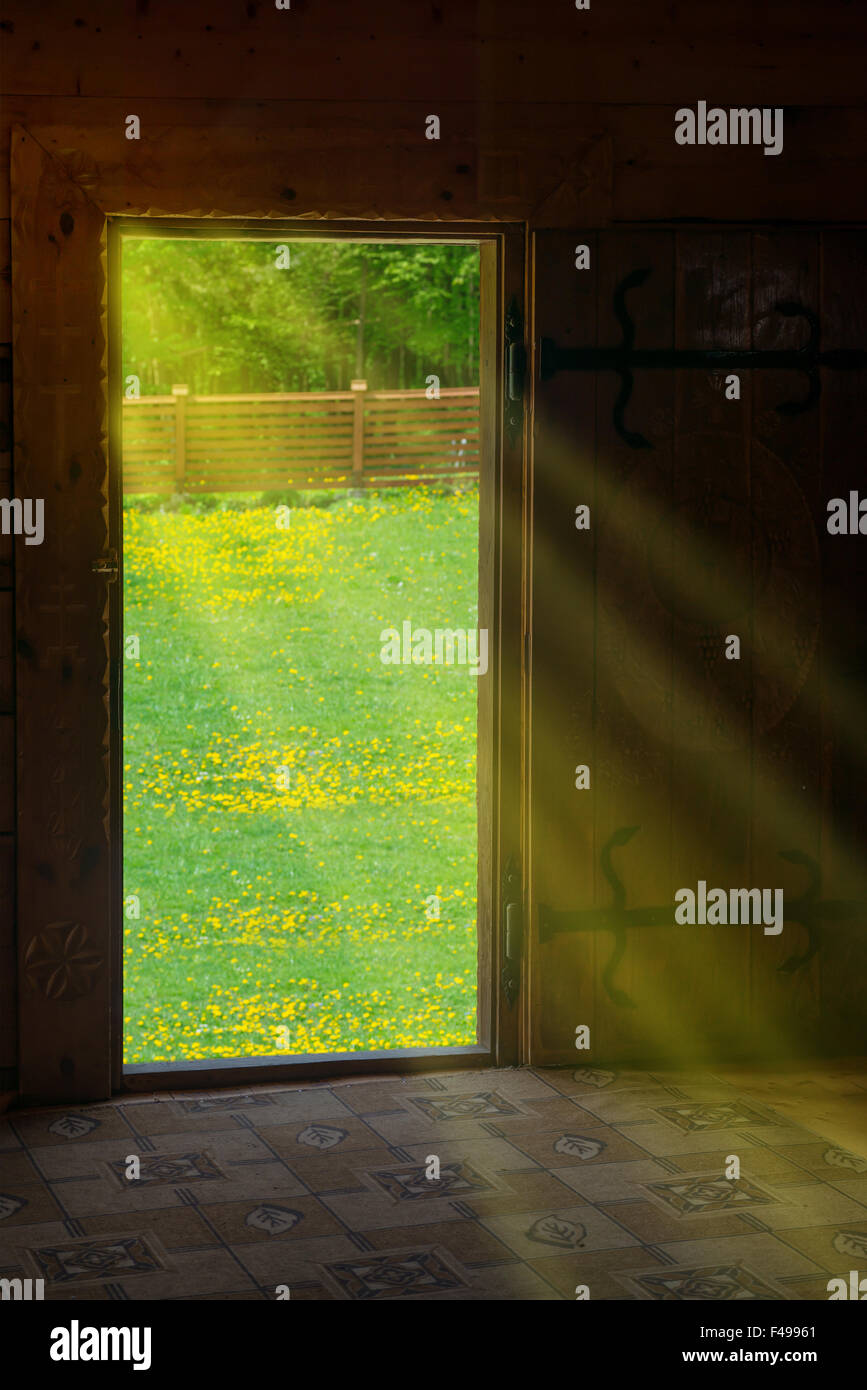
[253, 443]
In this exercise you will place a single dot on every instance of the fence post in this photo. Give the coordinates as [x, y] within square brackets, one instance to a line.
[359, 386]
[180, 394]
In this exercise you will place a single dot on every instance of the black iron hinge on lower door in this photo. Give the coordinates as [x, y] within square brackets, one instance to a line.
[516, 370]
[513, 930]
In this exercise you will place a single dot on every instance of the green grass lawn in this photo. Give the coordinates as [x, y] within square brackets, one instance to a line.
[291, 803]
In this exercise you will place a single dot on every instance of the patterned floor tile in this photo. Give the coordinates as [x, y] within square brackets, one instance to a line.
[533, 1234]
[195, 1107]
[227, 1149]
[14, 1239]
[770, 1258]
[164, 1170]
[16, 1167]
[297, 1107]
[294, 1218]
[757, 1161]
[632, 1105]
[831, 1246]
[515, 1282]
[376, 1099]
[813, 1287]
[330, 1171]
[498, 1154]
[413, 1272]
[341, 1134]
[706, 1194]
[10, 1144]
[663, 1140]
[66, 1128]
[80, 1197]
[309, 1292]
[77, 1293]
[710, 1283]
[595, 1270]
[674, 1076]
[813, 1204]
[365, 1211]
[258, 1181]
[559, 1148]
[171, 1117]
[589, 1081]
[829, 1161]
[451, 1115]
[613, 1182]
[698, 1116]
[270, 1089]
[88, 1197]
[528, 1190]
[547, 1179]
[653, 1224]
[388, 1116]
[22, 1204]
[205, 1271]
[176, 1228]
[482, 1103]
[127, 1255]
[458, 1180]
[706, 1093]
[562, 1112]
[513, 1083]
[468, 1241]
[233, 1296]
[295, 1262]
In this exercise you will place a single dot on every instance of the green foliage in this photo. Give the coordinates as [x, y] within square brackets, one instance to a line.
[260, 647]
[220, 316]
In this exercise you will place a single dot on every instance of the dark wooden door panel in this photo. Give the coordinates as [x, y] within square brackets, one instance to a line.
[788, 507]
[562, 830]
[707, 523]
[634, 632]
[708, 591]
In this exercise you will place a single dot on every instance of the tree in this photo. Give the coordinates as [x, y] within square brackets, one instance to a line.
[220, 316]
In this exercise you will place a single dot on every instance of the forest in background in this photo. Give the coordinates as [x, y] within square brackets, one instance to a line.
[221, 317]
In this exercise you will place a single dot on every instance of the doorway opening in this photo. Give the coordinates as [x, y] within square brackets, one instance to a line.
[308, 646]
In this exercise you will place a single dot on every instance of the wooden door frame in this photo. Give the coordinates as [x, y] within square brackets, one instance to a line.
[67, 397]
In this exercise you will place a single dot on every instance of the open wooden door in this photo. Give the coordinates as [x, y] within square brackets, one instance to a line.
[668, 401]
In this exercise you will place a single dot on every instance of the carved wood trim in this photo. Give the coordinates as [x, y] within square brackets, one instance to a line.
[60, 455]
[497, 164]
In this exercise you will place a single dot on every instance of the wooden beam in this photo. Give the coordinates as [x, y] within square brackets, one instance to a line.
[435, 54]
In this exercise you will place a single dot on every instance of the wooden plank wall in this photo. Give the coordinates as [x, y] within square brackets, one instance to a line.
[551, 115]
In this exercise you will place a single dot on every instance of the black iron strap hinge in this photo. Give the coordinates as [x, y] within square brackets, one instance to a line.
[809, 910]
[625, 358]
[513, 930]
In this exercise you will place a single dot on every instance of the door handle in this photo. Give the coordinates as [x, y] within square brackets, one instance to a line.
[513, 930]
